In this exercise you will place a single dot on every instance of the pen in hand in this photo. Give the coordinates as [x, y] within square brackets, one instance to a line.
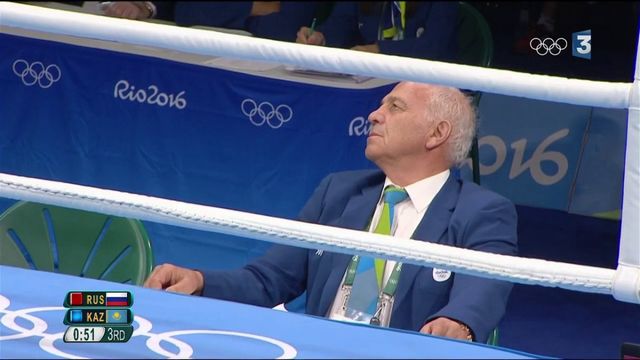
[313, 27]
[309, 35]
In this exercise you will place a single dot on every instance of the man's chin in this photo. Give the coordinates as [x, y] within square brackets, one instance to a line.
[370, 153]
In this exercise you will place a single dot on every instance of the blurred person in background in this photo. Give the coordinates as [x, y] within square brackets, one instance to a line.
[406, 28]
[274, 20]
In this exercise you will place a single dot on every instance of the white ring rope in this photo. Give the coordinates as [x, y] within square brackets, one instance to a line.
[204, 42]
[312, 236]
[624, 285]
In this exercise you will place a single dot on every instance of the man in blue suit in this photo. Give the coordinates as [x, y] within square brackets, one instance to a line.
[418, 133]
[264, 19]
[419, 29]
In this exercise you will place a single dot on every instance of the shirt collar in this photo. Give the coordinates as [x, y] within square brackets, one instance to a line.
[422, 191]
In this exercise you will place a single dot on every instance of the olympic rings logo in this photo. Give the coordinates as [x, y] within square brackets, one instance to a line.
[36, 72]
[154, 341]
[265, 112]
[548, 46]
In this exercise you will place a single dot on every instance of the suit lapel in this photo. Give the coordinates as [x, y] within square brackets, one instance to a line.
[431, 228]
[356, 216]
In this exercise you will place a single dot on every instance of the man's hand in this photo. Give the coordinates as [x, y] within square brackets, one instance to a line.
[446, 327]
[373, 48]
[304, 36]
[176, 279]
[134, 10]
[262, 8]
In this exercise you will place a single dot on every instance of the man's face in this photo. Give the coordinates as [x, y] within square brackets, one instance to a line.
[399, 126]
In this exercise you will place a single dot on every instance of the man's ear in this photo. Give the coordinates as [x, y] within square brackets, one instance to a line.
[438, 135]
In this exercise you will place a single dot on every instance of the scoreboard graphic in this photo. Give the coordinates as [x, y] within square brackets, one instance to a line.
[98, 316]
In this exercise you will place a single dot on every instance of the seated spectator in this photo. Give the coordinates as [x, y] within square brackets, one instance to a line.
[406, 28]
[265, 19]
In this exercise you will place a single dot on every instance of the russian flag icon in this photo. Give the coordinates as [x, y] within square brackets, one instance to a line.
[117, 299]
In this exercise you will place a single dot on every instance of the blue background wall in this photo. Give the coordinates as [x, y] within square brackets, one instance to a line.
[108, 122]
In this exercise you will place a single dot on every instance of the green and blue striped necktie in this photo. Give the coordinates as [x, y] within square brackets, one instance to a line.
[367, 283]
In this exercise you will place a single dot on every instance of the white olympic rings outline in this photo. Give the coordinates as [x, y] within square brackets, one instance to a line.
[154, 341]
[548, 46]
[36, 72]
[266, 113]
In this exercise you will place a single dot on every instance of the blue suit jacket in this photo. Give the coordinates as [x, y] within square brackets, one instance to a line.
[430, 33]
[462, 214]
[282, 25]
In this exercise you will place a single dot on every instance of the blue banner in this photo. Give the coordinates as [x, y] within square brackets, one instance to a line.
[552, 155]
[228, 139]
[174, 130]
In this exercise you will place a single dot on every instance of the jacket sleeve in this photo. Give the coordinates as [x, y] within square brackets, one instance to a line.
[478, 302]
[277, 277]
[438, 40]
[164, 10]
[283, 25]
[340, 29]
[225, 14]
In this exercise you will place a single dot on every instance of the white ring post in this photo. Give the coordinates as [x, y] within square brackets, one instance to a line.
[627, 281]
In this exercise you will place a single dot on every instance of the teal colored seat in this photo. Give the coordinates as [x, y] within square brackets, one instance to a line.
[475, 42]
[475, 47]
[76, 242]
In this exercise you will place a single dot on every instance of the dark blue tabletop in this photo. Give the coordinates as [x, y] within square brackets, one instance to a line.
[174, 325]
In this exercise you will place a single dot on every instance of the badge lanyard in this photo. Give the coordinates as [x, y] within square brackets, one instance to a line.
[386, 295]
[385, 301]
[396, 31]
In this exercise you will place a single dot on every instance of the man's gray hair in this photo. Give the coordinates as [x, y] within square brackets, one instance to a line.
[447, 103]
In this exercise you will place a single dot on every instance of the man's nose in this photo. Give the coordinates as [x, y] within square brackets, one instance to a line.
[375, 116]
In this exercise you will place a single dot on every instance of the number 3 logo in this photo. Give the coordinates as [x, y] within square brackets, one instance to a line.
[585, 44]
[582, 44]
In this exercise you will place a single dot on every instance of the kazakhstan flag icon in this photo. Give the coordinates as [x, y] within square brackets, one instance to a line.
[117, 317]
[76, 316]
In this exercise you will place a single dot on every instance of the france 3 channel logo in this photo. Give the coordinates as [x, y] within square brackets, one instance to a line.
[581, 44]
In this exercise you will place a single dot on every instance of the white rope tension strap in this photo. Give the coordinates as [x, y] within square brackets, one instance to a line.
[312, 236]
[204, 42]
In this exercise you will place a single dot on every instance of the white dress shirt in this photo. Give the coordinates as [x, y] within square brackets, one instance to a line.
[408, 215]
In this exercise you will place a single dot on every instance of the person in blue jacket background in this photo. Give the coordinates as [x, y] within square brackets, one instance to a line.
[276, 20]
[419, 29]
